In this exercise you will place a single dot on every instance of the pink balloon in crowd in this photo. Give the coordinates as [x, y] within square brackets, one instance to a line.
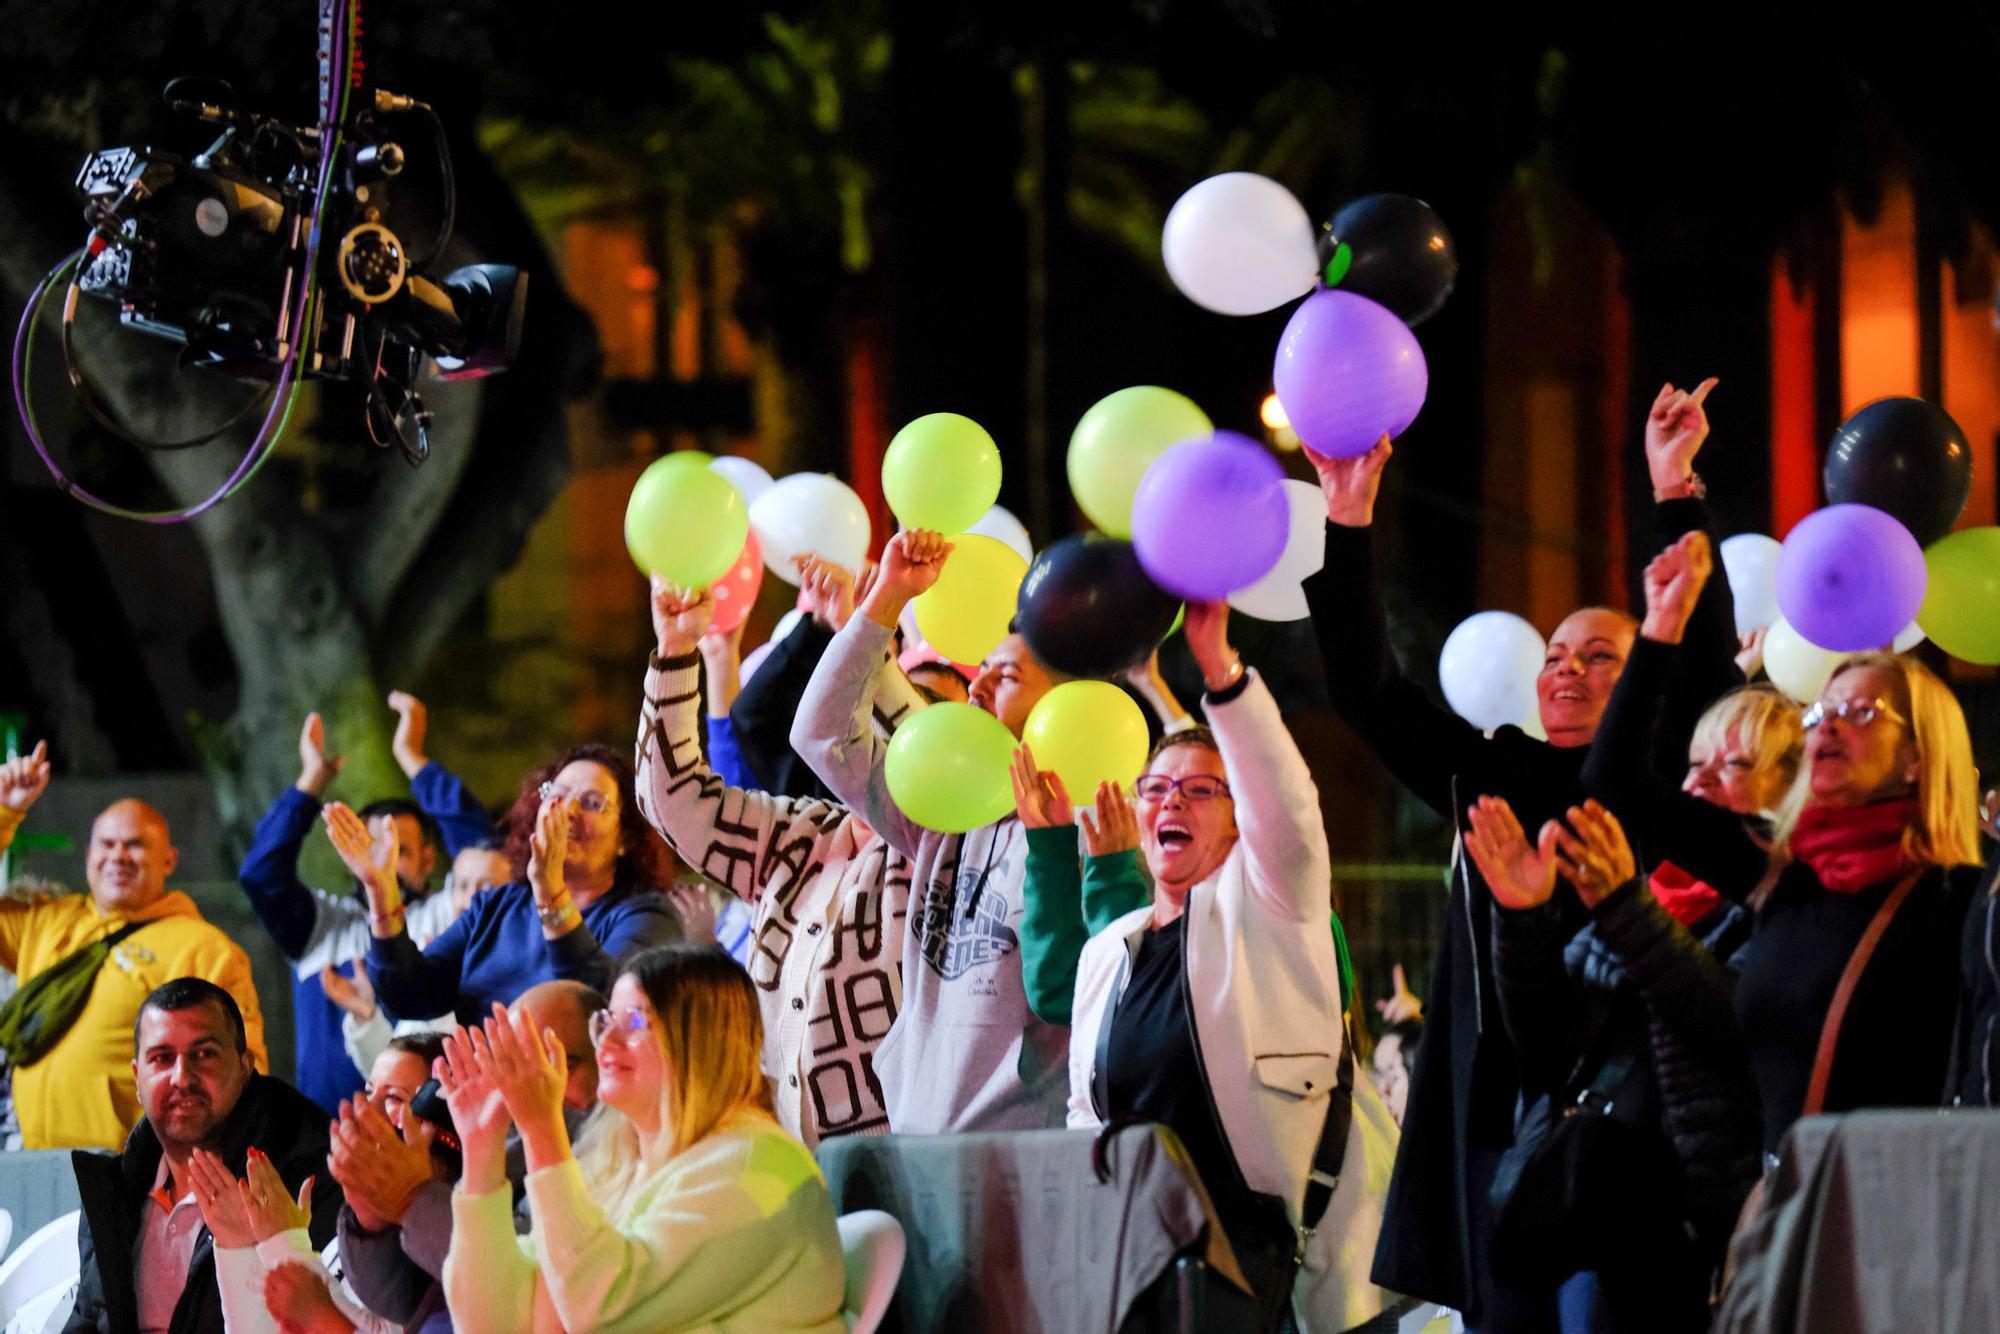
[736, 592]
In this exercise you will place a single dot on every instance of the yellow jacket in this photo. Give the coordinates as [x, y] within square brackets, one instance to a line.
[83, 1094]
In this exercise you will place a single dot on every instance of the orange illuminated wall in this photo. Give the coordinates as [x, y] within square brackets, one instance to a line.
[1971, 355]
[1878, 302]
[1795, 440]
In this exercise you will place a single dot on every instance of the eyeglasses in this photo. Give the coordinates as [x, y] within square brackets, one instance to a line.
[1195, 787]
[627, 1024]
[1859, 712]
[596, 803]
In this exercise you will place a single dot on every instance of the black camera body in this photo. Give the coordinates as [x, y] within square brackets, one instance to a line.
[207, 251]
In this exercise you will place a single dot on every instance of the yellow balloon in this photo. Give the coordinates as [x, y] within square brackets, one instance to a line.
[1086, 733]
[966, 612]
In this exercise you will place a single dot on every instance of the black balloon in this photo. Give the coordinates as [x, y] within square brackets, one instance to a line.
[1399, 254]
[1905, 456]
[1088, 609]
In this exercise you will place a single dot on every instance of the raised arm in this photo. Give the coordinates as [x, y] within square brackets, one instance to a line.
[461, 821]
[1676, 428]
[1667, 824]
[1418, 740]
[1537, 999]
[22, 782]
[834, 730]
[1277, 803]
[721, 830]
[270, 871]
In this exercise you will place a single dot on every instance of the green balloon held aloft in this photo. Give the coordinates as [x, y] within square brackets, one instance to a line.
[685, 523]
[949, 768]
[1961, 611]
[1117, 440]
[941, 472]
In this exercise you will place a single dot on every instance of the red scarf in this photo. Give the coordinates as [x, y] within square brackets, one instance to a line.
[1686, 899]
[1852, 847]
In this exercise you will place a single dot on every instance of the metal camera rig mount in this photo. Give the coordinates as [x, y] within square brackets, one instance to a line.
[279, 253]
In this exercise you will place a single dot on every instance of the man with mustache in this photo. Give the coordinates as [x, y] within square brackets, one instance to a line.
[73, 1079]
[147, 1259]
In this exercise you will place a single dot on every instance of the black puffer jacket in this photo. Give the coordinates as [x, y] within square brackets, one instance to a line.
[1638, 991]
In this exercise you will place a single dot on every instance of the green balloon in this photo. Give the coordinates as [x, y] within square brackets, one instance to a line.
[1117, 440]
[1961, 611]
[941, 472]
[948, 768]
[685, 523]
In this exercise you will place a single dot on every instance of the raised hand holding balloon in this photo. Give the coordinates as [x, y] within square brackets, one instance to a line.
[1348, 372]
[1392, 249]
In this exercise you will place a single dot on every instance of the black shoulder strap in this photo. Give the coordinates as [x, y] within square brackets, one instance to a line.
[1331, 1151]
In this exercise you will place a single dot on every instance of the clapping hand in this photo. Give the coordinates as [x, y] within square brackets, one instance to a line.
[1113, 826]
[548, 847]
[412, 728]
[379, 1170]
[1039, 795]
[355, 994]
[478, 1110]
[267, 1204]
[218, 1194]
[1520, 874]
[297, 1298]
[1593, 853]
[316, 768]
[371, 857]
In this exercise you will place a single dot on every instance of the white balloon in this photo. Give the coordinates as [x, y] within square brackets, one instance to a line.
[1278, 596]
[754, 659]
[1751, 562]
[810, 514]
[1240, 243]
[749, 479]
[1488, 669]
[1913, 635]
[1000, 524]
[1799, 668]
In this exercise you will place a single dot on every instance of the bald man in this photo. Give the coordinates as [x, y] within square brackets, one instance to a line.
[566, 1006]
[74, 1083]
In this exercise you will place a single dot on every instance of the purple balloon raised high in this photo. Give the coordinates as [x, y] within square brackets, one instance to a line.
[1348, 372]
[1211, 517]
[1850, 577]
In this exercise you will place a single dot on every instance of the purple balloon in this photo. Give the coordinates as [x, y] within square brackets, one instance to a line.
[1348, 372]
[1211, 517]
[1850, 577]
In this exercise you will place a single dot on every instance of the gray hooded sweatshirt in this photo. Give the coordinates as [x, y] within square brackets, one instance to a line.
[966, 1053]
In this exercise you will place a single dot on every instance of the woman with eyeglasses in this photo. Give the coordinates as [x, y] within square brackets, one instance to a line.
[1215, 1008]
[1880, 823]
[590, 875]
[682, 1206]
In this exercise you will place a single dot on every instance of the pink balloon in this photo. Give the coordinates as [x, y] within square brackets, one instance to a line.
[736, 592]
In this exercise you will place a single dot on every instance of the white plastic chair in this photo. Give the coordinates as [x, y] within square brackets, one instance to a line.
[45, 1260]
[6, 1229]
[873, 1245]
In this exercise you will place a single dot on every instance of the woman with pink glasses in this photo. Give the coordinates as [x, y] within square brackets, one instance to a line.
[1215, 1008]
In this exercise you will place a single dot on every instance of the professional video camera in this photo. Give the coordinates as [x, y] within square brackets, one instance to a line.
[279, 252]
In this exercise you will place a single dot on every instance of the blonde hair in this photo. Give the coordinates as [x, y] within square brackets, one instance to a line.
[706, 1019]
[1766, 723]
[1946, 829]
